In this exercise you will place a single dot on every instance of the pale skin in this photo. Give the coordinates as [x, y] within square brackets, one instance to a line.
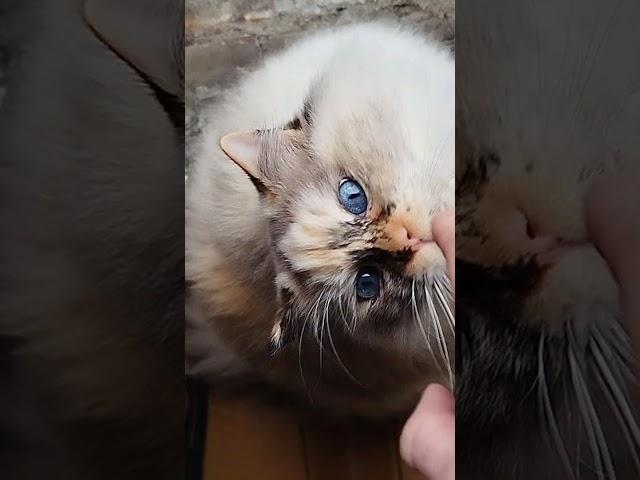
[612, 206]
[428, 439]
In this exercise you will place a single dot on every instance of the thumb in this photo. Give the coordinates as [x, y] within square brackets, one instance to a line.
[613, 224]
[427, 442]
[444, 230]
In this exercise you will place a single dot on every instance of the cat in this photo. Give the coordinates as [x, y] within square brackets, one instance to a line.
[92, 245]
[545, 106]
[309, 252]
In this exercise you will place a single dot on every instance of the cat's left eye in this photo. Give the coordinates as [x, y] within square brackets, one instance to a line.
[352, 196]
[368, 284]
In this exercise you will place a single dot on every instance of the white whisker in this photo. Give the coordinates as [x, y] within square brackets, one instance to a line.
[547, 409]
[597, 441]
[343, 317]
[616, 356]
[321, 322]
[300, 367]
[442, 341]
[616, 409]
[315, 315]
[340, 362]
[445, 305]
[621, 400]
[416, 316]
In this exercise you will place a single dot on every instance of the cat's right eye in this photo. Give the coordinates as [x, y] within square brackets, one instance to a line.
[352, 196]
[368, 284]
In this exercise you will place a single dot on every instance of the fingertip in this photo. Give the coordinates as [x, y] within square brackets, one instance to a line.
[437, 398]
[428, 438]
[612, 216]
[437, 402]
[443, 227]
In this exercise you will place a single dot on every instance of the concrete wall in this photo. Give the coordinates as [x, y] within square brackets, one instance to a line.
[224, 37]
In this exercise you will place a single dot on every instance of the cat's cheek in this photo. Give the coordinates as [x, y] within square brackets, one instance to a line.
[428, 261]
[578, 289]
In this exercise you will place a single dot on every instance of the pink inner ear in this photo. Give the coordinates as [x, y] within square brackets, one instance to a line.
[244, 149]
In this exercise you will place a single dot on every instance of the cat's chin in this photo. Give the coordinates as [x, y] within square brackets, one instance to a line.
[577, 290]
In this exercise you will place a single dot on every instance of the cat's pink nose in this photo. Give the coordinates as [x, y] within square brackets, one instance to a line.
[415, 242]
[533, 239]
[434, 249]
[403, 232]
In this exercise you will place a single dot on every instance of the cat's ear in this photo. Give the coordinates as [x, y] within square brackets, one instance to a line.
[303, 121]
[148, 34]
[244, 149]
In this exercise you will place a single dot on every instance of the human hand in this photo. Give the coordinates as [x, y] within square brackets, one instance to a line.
[613, 222]
[444, 233]
[428, 441]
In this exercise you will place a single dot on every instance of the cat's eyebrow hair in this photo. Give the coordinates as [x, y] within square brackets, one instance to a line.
[296, 123]
[307, 111]
[386, 211]
[343, 237]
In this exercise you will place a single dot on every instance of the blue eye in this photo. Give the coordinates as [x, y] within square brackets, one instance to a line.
[367, 284]
[352, 196]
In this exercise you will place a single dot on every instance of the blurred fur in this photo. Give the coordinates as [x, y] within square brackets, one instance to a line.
[91, 272]
[373, 102]
[547, 102]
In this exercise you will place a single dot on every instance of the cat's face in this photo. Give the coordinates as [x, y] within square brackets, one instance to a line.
[536, 303]
[530, 145]
[536, 300]
[350, 226]
[521, 206]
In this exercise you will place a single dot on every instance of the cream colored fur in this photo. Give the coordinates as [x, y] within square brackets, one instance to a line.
[383, 110]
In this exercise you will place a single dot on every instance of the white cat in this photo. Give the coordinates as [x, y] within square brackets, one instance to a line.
[320, 227]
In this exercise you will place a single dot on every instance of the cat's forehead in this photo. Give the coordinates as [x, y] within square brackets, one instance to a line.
[394, 158]
[389, 125]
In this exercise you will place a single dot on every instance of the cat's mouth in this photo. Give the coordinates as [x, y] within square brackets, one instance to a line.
[426, 256]
[549, 248]
[552, 249]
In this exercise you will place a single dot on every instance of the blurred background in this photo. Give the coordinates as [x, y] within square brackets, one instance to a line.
[82, 338]
[6, 43]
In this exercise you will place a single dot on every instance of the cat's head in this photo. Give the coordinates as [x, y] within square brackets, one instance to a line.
[520, 204]
[537, 306]
[349, 204]
[530, 145]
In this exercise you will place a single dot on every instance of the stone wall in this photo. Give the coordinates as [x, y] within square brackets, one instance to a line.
[224, 37]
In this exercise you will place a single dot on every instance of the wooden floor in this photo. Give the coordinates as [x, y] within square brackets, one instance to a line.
[248, 440]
